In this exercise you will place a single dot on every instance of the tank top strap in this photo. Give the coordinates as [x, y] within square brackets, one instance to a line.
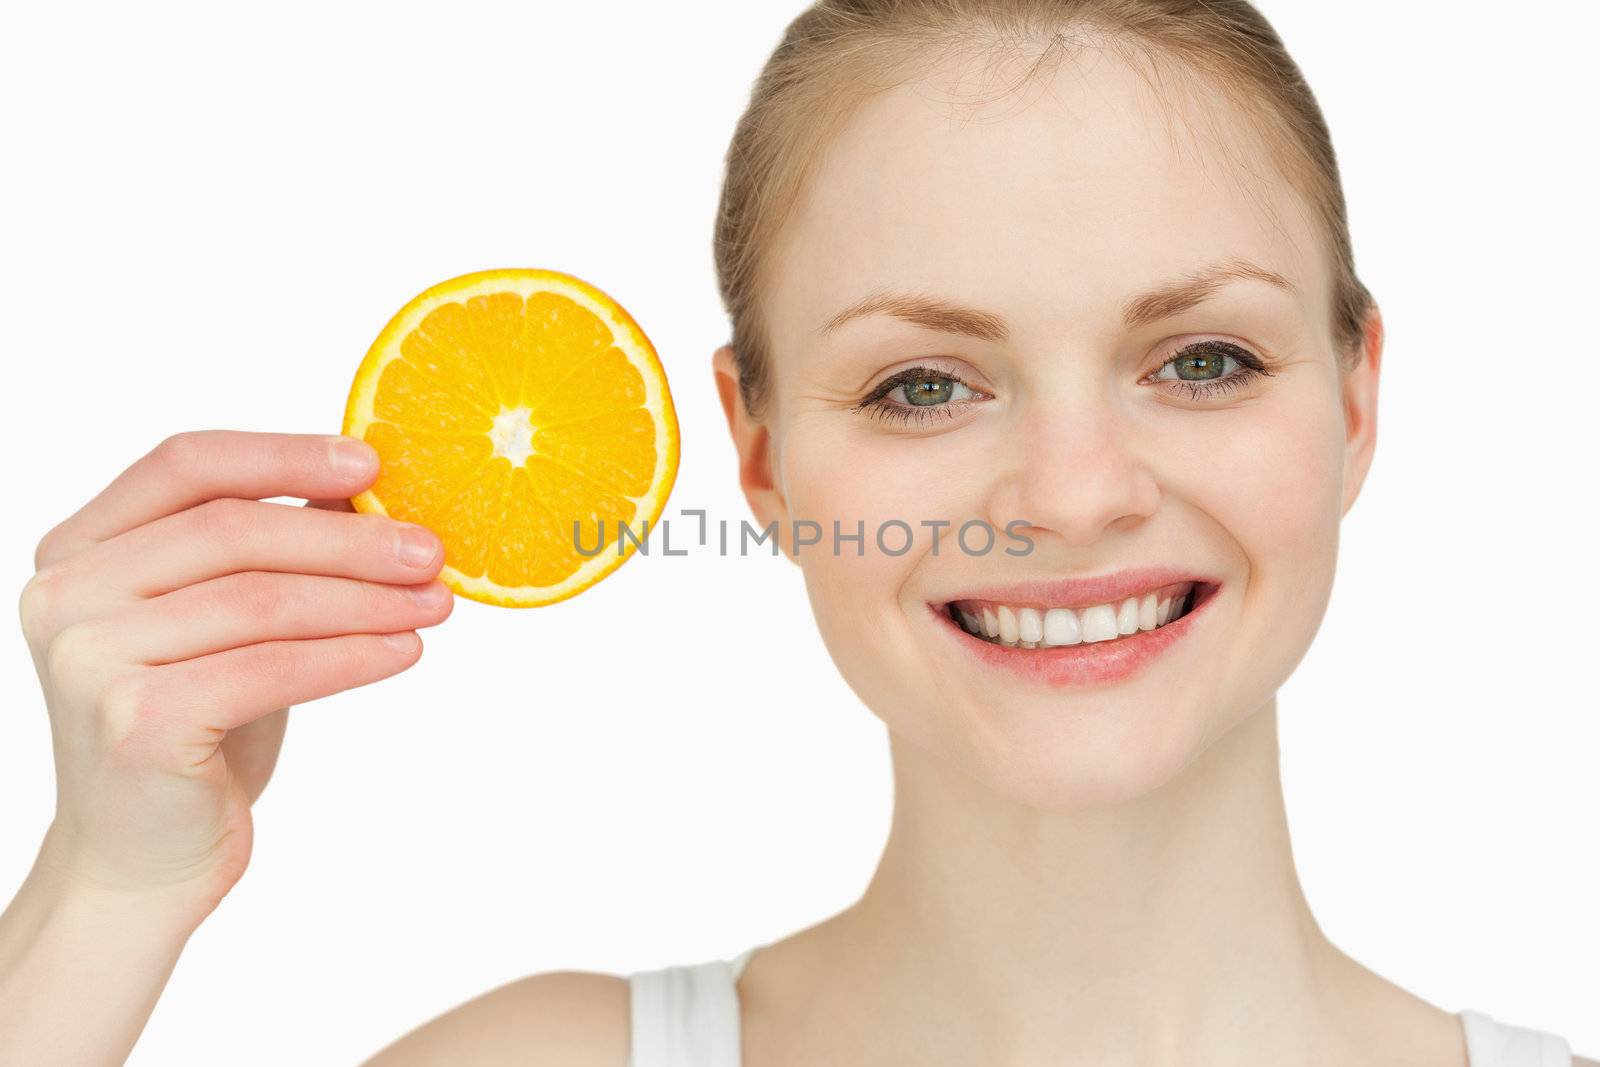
[686, 1015]
[1491, 1043]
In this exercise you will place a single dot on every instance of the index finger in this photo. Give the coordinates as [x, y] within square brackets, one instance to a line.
[190, 468]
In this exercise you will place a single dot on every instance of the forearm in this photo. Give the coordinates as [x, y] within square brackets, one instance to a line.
[81, 969]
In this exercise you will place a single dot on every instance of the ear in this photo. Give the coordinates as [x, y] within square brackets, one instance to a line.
[1360, 399]
[753, 442]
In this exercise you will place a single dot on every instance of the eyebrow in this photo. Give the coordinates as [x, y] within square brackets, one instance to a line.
[1162, 302]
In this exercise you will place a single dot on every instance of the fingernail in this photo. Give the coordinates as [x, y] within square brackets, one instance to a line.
[417, 547]
[401, 642]
[352, 458]
[427, 596]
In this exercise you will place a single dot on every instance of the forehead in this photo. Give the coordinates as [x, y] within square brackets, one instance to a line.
[1049, 204]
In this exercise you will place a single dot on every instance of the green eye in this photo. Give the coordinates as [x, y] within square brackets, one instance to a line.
[927, 390]
[930, 391]
[917, 393]
[1202, 369]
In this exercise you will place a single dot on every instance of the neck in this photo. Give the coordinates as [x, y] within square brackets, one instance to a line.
[1168, 929]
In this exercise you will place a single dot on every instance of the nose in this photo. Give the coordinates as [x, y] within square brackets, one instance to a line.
[1074, 471]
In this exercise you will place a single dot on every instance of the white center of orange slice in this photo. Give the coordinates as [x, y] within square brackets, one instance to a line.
[512, 435]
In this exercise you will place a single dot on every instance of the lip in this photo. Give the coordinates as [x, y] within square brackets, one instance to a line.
[1083, 592]
[1088, 664]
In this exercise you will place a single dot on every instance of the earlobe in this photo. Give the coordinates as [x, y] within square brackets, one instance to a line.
[1359, 388]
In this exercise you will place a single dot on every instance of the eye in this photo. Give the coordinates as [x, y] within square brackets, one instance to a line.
[918, 393]
[1202, 369]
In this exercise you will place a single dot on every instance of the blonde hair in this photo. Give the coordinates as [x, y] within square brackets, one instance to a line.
[838, 53]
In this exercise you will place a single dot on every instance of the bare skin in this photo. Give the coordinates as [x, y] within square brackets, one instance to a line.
[1270, 978]
[173, 620]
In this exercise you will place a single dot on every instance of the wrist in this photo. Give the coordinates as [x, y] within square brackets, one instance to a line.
[64, 884]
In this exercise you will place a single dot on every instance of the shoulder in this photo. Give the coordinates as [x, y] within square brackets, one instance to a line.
[569, 1017]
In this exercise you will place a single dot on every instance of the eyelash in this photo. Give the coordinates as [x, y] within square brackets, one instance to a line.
[1251, 367]
[877, 403]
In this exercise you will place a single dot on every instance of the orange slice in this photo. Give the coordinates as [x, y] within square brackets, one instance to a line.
[506, 406]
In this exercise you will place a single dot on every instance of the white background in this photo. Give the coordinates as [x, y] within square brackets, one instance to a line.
[211, 210]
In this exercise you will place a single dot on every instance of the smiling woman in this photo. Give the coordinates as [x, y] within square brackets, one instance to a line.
[1083, 266]
[1076, 270]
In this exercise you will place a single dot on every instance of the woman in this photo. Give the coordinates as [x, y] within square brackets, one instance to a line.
[1077, 271]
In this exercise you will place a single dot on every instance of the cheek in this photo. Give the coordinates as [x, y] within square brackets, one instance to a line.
[869, 484]
[841, 469]
[1271, 490]
[838, 482]
[1276, 479]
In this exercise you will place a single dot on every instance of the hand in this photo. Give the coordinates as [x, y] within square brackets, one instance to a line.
[174, 618]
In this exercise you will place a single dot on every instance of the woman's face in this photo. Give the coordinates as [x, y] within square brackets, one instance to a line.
[1053, 211]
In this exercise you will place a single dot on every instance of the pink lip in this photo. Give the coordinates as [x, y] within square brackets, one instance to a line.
[1082, 665]
[1083, 592]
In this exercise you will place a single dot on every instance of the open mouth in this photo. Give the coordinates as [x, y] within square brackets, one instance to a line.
[1056, 626]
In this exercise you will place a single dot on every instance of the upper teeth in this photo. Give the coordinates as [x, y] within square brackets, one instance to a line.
[1033, 627]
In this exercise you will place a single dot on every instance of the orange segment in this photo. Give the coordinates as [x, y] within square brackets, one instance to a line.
[505, 407]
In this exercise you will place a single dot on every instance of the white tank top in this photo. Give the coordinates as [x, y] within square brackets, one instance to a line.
[688, 1016]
